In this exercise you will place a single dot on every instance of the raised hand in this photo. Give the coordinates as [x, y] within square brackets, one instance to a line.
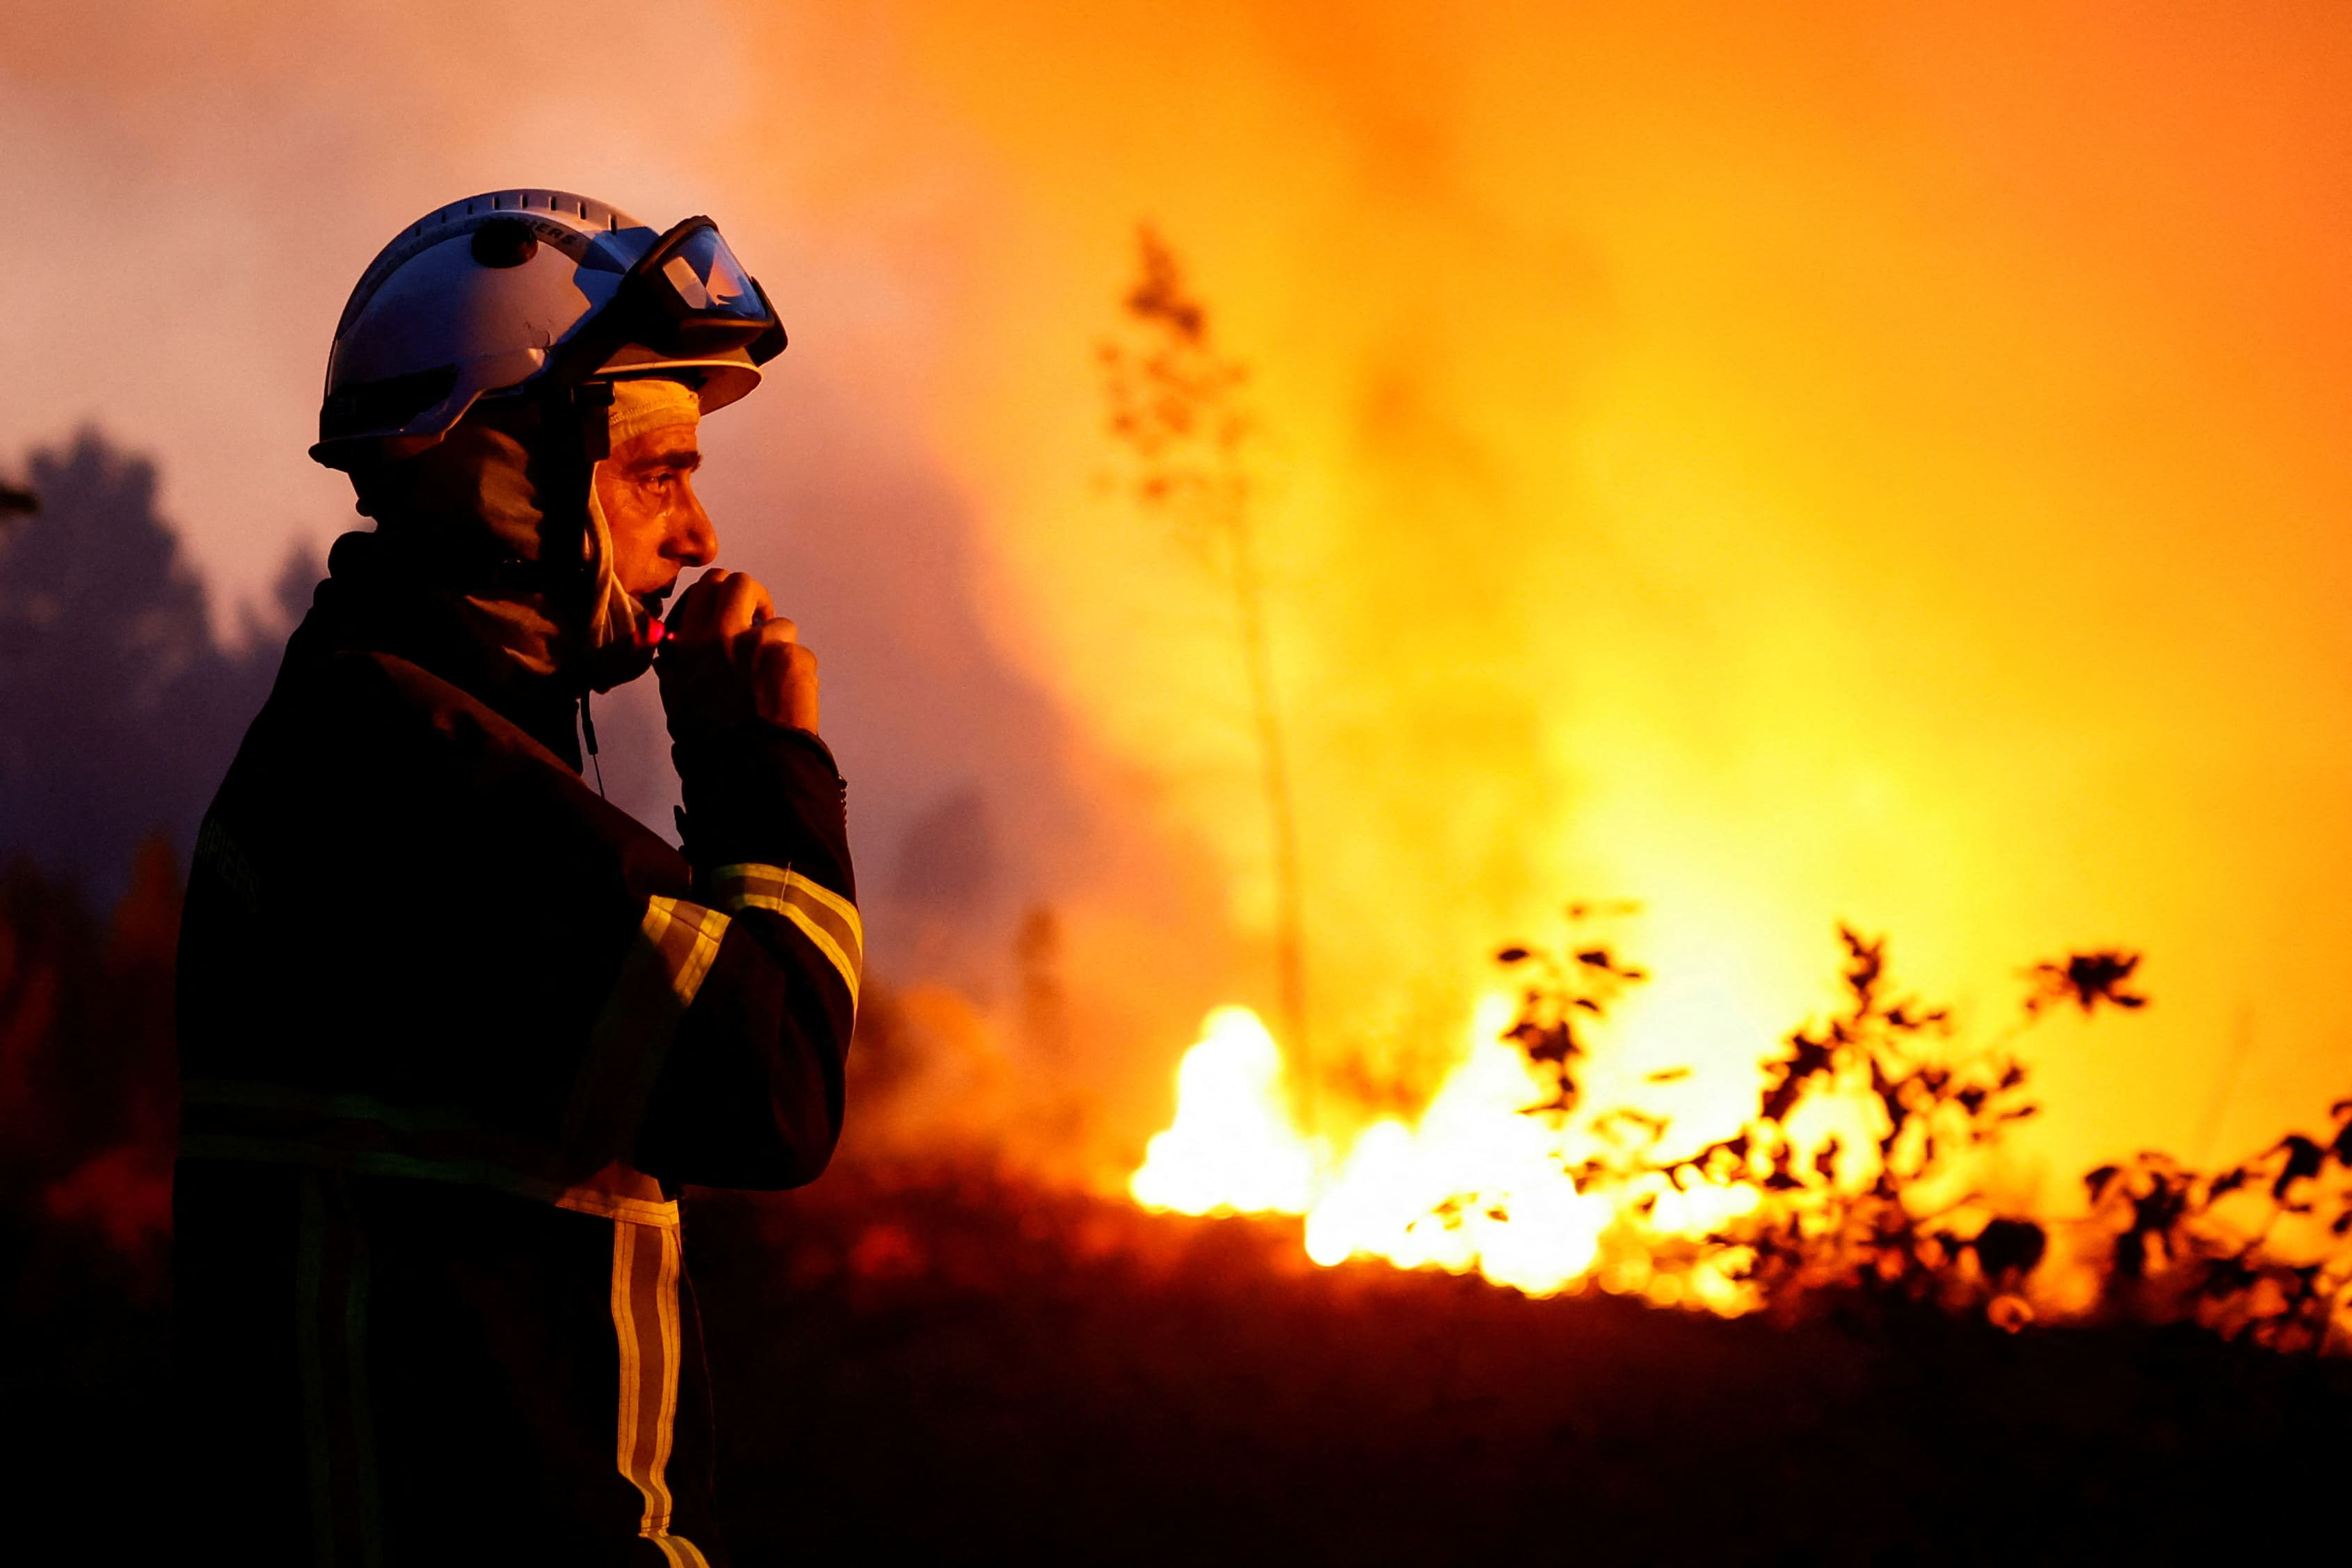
[728, 659]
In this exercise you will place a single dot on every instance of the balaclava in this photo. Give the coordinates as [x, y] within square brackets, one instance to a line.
[492, 564]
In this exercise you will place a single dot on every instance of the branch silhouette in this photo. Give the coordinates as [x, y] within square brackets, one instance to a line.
[1176, 408]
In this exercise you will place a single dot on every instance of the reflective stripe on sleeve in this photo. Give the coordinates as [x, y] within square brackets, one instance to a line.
[829, 921]
[646, 1264]
[664, 968]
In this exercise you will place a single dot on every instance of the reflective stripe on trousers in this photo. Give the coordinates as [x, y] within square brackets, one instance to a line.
[331, 1297]
[646, 1261]
[330, 1302]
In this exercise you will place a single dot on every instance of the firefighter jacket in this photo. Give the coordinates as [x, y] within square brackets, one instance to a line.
[454, 1032]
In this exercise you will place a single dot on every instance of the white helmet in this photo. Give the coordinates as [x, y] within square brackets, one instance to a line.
[540, 289]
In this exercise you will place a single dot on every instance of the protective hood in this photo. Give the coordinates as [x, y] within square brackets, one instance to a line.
[490, 549]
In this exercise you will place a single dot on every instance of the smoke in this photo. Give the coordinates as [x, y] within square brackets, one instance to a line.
[1876, 465]
[207, 181]
[1872, 467]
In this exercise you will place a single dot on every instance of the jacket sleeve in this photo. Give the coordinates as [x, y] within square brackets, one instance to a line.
[750, 1093]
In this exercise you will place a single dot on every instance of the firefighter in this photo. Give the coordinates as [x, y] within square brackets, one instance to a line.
[454, 1031]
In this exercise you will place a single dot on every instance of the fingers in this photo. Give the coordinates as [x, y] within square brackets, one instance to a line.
[719, 606]
[729, 657]
[784, 680]
[743, 604]
[695, 616]
[776, 628]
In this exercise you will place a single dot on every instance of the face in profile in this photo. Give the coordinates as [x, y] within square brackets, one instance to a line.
[646, 490]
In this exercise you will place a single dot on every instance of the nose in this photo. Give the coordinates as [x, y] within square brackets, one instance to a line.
[692, 539]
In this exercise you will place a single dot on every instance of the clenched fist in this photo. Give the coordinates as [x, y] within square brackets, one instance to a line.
[728, 658]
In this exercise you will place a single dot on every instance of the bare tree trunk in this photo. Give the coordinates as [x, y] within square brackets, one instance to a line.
[1174, 403]
[1282, 818]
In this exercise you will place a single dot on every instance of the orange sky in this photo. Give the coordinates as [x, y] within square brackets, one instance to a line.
[1883, 465]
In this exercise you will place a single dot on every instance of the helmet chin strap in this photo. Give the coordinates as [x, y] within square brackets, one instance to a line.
[577, 433]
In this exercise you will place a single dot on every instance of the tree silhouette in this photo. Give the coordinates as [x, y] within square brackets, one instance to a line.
[1175, 405]
[120, 707]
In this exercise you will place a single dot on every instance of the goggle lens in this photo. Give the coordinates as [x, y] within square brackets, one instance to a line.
[710, 281]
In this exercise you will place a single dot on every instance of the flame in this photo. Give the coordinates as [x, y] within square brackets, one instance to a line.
[1783, 464]
[1234, 1146]
[1775, 492]
[1477, 1184]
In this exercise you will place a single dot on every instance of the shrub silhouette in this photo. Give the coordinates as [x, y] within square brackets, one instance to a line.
[87, 1094]
[2263, 1248]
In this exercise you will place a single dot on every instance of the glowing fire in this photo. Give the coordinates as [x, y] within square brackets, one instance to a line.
[1233, 1145]
[1476, 1183]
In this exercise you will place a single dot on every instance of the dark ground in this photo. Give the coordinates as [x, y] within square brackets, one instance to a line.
[950, 1369]
[963, 1370]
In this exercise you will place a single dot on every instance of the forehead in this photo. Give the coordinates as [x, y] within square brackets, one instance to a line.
[653, 406]
[660, 443]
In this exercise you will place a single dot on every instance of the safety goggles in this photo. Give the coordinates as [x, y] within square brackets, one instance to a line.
[689, 297]
[477, 309]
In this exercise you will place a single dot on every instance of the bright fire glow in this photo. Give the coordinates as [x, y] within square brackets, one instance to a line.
[1476, 1184]
[1232, 1145]
[1781, 470]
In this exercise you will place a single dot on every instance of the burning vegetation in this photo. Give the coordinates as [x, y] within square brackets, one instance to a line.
[1859, 1174]
[1861, 1170]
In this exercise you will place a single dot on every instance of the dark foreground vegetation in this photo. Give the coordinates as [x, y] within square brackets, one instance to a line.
[948, 1365]
[945, 1365]
[960, 1370]
[940, 1367]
